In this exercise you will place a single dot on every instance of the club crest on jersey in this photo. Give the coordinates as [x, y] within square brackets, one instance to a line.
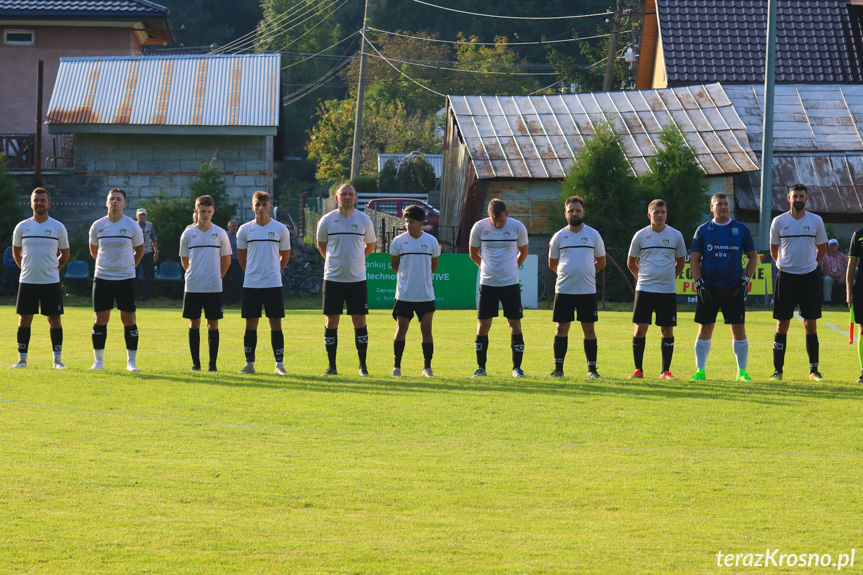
[122, 231]
[424, 247]
[506, 235]
[353, 227]
[270, 234]
[584, 240]
[213, 235]
[709, 247]
[805, 229]
[47, 232]
[735, 231]
[665, 242]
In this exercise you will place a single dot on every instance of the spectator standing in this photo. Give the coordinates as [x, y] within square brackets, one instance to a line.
[234, 277]
[147, 267]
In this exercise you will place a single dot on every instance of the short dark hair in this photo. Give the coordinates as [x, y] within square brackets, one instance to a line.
[657, 203]
[497, 207]
[798, 188]
[343, 186]
[574, 200]
[205, 201]
[718, 196]
[41, 191]
[260, 196]
[414, 212]
[117, 191]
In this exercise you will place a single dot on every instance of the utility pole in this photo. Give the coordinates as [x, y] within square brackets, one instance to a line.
[361, 90]
[767, 135]
[612, 49]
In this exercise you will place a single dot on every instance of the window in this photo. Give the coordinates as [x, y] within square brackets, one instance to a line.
[19, 37]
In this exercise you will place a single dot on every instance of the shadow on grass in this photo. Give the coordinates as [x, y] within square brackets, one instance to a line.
[767, 393]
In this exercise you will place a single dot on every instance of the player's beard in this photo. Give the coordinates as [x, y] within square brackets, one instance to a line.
[575, 221]
[798, 206]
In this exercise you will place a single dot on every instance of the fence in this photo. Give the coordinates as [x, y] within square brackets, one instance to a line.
[387, 227]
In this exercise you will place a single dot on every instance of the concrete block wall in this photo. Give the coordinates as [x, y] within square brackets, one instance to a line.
[148, 165]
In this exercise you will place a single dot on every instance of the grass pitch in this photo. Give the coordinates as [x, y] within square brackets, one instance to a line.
[166, 471]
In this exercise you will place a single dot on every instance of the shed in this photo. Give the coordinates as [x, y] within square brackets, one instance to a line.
[518, 148]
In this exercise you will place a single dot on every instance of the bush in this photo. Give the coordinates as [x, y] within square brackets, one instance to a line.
[365, 185]
[416, 176]
[677, 178]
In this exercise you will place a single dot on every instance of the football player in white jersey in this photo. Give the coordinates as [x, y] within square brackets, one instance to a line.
[498, 245]
[36, 243]
[117, 245]
[205, 254]
[798, 241]
[345, 237]
[263, 250]
[576, 254]
[414, 257]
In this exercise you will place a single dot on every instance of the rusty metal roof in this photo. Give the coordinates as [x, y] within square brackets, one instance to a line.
[541, 136]
[807, 118]
[816, 141]
[126, 94]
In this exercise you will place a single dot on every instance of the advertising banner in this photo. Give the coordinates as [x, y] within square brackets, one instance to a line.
[761, 285]
[456, 282]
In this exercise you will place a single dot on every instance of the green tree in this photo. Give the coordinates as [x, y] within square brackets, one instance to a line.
[603, 178]
[11, 213]
[388, 127]
[498, 60]
[416, 176]
[211, 182]
[586, 71]
[677, 178]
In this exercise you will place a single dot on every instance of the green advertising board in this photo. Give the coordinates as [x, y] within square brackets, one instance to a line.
[455, 282]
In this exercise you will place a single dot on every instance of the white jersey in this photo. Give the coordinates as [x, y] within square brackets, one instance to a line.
[577, 253]
[39, 245]
[657, 253]
[204, 250]
[797, 240]
[262, 245]
[346, 239]
[414, 281]
[115, 259]
[498, 250]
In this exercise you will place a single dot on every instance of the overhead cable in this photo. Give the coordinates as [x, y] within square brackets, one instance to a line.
[514, 17]
[321, 52]
[265, 28]
[489, 43]
[402, 73]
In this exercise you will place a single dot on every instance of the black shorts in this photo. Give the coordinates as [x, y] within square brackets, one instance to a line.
[566, 304]
[211, 303]
[664, 304]
[105, 292]
[792, 290]
[268, 298]
[857, 291]
[337, 294]
[409, 308]
[31, 295]
[733, 308]
[491, 296]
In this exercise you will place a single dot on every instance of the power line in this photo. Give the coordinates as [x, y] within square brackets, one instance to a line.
[289, 99]
[414, 63]
[400, 72]
[488, 43]
[513, 17]
[321, 52]
[267, 27]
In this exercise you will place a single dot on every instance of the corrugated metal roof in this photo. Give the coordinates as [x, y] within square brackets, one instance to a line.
[807, 118]
[541, 136]
[80, 8]
[224, 90]
[816, 141]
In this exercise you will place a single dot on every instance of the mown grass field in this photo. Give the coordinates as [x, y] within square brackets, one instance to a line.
[171, 472]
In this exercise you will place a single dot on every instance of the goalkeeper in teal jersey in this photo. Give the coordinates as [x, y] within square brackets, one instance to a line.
[716, 260]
